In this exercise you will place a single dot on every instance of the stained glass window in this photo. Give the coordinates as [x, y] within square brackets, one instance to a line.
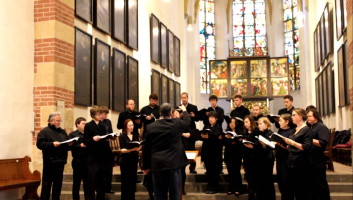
[291, 41]
[249, 28]
[207, 41]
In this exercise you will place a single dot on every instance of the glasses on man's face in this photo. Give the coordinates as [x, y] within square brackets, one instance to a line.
[57, 121]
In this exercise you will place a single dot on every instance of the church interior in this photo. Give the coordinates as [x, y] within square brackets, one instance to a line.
[68, 55]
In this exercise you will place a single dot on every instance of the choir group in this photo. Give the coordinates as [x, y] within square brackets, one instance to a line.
[298, 149]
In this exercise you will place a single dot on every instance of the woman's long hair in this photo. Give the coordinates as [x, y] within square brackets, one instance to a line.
[252, 122]
[125, 126]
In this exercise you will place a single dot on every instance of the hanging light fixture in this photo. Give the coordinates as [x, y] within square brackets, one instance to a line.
[189, 21]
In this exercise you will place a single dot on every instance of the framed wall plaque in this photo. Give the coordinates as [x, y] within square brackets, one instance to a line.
[317, 92]
[102, 15]
[102, 74]
[321, 99]
[164, 89]
[316, 60]
[318, 34]
[346, 72]
[133, 80]
[132, 26]
[83, 68]
[177, 55]
[118, 81]
[163, 46]
[154, 40]
[171, 92]
[339, 21]
[155, 83]
[331, 89]
[324, 91]
[322, 36]
[328, 32]
[119, 20]
[344, 15]
[341, 77]
[170, 46]
[177, 94]
[83, 10]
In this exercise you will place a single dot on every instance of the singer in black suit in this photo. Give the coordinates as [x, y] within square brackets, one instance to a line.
[163, 153]
[321, 190]
[128, 163]
[300, 162]
[79, 161]
[264, 161]
[233, 158]
[194, 115]
[285, 121]
[211, 153]
[54, 156]
[214, 107]
[98, 155]
[288, 103]
[251, 131]
[130, 114]
[239, 111]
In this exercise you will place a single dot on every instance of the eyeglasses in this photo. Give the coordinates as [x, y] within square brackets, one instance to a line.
[57, 120]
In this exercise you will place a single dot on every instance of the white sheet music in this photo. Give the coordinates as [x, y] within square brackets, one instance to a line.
[70, 140]
[190, 156]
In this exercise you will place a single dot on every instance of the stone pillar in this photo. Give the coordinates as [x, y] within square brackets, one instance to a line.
[349, 8]
[53, 65]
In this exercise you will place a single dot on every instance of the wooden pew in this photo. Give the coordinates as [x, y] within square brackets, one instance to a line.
[328, 151]
[115, 147]
[15, 173]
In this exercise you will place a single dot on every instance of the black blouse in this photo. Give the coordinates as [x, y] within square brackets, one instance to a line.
[281, 153]
[212, 147]
[233, 147]
[297, 157]
[124, 140]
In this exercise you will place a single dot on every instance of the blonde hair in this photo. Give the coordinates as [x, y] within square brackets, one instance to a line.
[266, 121]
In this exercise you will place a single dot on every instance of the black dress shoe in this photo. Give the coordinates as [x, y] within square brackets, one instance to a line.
[193, 172]
[211, 192]
[110, 192]
[140, 172]
[230, 193]
[184, 193]
[221, 172]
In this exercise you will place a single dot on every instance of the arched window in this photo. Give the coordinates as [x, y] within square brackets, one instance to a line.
[249, 28]
[207, 41]
[291, 41]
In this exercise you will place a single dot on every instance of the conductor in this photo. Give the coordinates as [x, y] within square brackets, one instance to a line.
[163, 153]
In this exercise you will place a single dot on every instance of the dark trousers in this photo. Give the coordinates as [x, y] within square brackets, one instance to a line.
[96, 179]
[148, 183]
[52, 176]
[282, 180]
[264, 180]
[109, 174]
[183, 177]
[300, 180]
[128, 179]
[234, 176]
[321, 190]
[164, 181]
[79, 167]
[212, 170]
[249, 168]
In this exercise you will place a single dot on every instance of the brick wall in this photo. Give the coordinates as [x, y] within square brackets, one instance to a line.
[45, 10]
[54, 56]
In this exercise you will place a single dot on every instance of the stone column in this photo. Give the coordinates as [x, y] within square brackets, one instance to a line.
[53, 65]
[349, 8]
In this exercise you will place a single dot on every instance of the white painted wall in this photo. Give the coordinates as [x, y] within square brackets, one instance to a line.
[16, 82]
